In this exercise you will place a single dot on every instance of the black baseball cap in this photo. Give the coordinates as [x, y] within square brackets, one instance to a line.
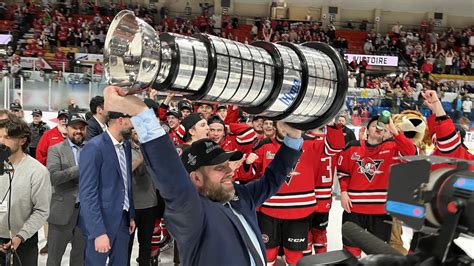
[174, 113]
[188, 123]
[257, 117]
[372, 119]
[76, 118]
[185, 105]
[63, 112]
[117, 115]
[205, 152]
[215, 119]
[221, 106]
[15, 106]
[37, 112]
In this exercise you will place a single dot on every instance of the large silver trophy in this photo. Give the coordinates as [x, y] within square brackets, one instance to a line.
[304, 85]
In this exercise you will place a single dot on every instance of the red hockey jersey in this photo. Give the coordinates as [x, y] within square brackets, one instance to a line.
[327, 151]
[296, 198]
[363, 172]
[447, 141]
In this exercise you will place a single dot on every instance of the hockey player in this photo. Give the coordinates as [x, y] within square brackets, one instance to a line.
[325, 171]
[284, 219]
[363, 171]
[448, 141]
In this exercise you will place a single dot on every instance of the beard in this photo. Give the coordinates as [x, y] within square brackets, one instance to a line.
[78, 139]
[216, 191]
[126, 134]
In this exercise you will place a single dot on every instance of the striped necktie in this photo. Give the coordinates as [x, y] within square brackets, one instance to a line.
[123, 169]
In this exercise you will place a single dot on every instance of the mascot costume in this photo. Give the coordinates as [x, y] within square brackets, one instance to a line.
[414, 126]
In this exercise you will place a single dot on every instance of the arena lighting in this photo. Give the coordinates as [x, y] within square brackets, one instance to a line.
[304, 85]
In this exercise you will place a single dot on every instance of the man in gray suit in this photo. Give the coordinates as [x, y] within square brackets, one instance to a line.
[63, 166]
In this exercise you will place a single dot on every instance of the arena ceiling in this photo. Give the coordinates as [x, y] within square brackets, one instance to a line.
[452, 7]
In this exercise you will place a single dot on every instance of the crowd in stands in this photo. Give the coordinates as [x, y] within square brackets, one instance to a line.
[448, 52]
[426, 51]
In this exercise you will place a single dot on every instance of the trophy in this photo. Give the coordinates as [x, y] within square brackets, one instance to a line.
[304, 85]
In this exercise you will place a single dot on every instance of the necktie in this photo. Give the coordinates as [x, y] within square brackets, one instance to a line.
[250, 246]
[123, 169]
[78, 153]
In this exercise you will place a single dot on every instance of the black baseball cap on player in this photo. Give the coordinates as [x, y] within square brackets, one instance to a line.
[185, 105]
[205, 152]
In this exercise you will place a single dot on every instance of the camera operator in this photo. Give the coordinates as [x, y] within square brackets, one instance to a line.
[28, 198]
[37, 127]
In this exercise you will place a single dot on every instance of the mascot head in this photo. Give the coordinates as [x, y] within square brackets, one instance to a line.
[413, 125]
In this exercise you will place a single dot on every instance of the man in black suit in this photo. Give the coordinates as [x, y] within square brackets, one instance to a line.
[348, 133]
[96, 125]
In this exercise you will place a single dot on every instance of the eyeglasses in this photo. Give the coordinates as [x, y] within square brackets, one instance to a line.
[36, 116]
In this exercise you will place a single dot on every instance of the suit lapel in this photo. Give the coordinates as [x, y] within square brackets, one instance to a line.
[110, 149]
[236, 204]
[66, 150]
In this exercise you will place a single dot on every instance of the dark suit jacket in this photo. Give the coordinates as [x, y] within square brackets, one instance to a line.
[93, 128]
[101, 188]
[65, 181]
[205, 230]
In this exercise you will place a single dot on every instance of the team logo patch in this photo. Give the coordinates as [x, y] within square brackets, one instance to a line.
[191, 159]
[265, 238]
[369, 167]
[269, 155]
[179, 151]
[355, 156]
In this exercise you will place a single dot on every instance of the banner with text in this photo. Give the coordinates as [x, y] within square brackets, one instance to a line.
[373, 60]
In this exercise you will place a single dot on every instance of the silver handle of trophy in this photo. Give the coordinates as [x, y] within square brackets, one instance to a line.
[304, 85]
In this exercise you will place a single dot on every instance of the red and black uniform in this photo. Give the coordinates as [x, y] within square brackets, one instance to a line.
[175, 138]
[327, 152]
[447, 140]
[285, 218]
[363, 172]
[240, 137]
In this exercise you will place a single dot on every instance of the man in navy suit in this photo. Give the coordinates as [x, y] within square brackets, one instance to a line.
[212, 219]
[105, 193]
[96, 124]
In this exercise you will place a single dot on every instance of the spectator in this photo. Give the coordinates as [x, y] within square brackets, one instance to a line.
[352, 81]
[457, 108]
[37, 128]
[347, 132]
[17, 109]
[98, 68]
[94, 48]
[467, 107]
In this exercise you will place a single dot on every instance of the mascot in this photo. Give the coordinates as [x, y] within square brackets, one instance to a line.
[414, 126]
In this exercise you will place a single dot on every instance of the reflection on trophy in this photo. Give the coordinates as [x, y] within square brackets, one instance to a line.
[304, 85]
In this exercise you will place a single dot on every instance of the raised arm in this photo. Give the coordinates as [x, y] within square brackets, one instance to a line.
[183, 205]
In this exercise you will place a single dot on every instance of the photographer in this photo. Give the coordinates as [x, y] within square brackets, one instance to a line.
[37, 127]
[28, 198]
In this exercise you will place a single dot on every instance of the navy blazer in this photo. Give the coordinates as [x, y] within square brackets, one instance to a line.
[101, 189]
[205, 230]
[93, 128]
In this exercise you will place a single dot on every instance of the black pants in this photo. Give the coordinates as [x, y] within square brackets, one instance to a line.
[27, 252]
[145, 222]
[376, 224]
